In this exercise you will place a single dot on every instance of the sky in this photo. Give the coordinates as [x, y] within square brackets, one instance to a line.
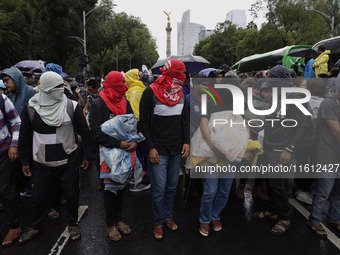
[206, 13]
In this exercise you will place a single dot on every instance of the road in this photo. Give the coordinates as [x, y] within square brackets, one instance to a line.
[241, 234]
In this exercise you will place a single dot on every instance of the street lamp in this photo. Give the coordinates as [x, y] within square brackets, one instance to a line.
[330, 20]
[85, 14]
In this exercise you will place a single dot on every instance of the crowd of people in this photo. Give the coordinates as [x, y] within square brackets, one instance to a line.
[137, 130]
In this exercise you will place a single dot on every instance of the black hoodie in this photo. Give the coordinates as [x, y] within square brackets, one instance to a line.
[276, 136]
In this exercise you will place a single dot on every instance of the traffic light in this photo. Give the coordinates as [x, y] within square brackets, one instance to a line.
[83, 60]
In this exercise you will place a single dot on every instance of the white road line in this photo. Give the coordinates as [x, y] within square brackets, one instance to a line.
[330, 235]
[59, 245]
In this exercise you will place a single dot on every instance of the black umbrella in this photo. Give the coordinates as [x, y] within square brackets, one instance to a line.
[192, 63]
[302, 52]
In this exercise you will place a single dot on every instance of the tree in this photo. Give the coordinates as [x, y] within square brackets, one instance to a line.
[219, 48]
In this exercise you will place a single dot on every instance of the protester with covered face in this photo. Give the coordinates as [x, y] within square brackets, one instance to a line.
[111, 103]
[164, 118]
[52, 121]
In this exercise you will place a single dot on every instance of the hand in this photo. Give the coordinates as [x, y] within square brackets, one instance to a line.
[153, 156]
[85, 165]
[218, 154]
[13, 153]
[77, 90]
[285, 157]
[26, 171]
[185, 150]
[132, 147]
[124, 145]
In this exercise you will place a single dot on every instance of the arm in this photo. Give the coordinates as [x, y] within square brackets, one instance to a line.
[96, 119]
[319, 61]
[185, 123]
[81, 100]
[15, 122]
[85, 109]
[25, 142]
[335, 129]
[206, 134]
[145, 113]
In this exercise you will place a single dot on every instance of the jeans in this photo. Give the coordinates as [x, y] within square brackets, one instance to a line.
[326, 189]
[164, 179]
[215, 197]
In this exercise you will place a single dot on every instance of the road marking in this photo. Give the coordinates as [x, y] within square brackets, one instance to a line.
[330, 235]
[59, 245]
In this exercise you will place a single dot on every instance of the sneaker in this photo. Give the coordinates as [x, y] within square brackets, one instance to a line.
[304, 197]
[240, 191]
[140, 187]
[26, 193]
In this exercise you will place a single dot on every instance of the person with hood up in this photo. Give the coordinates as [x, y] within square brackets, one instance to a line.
[48, 138]
[18, 91]
[321, 62]
[135, 90]
[164, 118]
[134, 95]
[110, 103]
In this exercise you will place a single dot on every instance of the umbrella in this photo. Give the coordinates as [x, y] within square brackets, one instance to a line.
[207, 71]
[29, 64]
[302, 52]
[192, 63]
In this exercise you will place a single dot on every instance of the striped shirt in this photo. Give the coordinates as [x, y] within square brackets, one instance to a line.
[6, 138]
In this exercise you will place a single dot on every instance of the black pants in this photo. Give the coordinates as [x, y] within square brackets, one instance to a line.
[277, 190]
[305, 155]
[43, 180]
[113, 207]
[9, 196]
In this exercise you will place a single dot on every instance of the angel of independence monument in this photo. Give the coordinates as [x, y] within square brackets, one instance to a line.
[168, 36]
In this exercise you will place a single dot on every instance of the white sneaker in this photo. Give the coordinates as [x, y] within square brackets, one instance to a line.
[304, 197]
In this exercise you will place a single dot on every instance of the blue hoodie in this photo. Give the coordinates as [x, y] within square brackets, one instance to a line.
[24, 92]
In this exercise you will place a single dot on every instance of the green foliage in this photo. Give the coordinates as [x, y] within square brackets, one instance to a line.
[288, 23]
[41, 29]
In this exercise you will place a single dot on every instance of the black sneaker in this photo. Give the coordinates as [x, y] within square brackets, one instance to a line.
[140, 187]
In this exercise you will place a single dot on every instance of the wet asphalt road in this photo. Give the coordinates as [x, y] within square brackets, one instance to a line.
[241, 234]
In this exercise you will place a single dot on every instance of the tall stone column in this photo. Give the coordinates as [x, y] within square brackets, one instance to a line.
[168, 40]
[168, 36]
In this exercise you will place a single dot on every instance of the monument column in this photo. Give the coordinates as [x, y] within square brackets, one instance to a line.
[168, 36]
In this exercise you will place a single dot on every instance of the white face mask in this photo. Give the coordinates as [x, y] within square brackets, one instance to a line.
[51, 97]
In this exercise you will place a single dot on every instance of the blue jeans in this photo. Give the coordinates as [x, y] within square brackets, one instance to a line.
[215, 197]
[326, 189]
[164, 179]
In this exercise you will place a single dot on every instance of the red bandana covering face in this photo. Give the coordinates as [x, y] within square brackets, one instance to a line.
[113, 93]
[168, 87]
